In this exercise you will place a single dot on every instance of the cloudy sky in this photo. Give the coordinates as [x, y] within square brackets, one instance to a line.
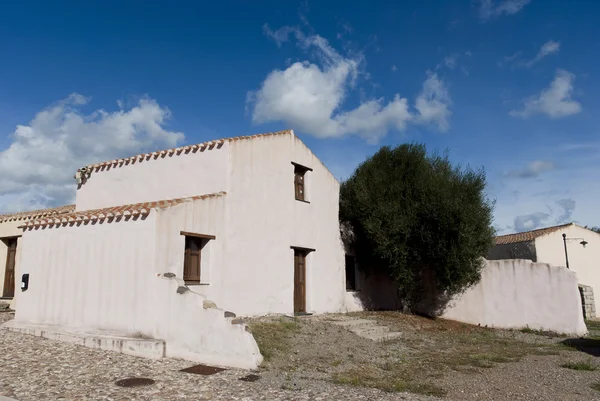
[508, 85]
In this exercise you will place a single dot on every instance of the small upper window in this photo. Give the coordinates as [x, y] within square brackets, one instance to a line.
[300, 181]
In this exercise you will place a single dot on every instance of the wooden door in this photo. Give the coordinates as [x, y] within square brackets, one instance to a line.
[9, 272]
[299, 281]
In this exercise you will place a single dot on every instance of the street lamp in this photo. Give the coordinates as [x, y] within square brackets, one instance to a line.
[583, 243]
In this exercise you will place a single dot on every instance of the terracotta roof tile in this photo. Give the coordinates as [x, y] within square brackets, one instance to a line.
[174, 151]
[528, 235]
[114, 212]
[34, 214]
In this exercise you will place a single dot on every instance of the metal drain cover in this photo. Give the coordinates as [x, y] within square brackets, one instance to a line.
[250, 378]
[134, 382]
[202, 370]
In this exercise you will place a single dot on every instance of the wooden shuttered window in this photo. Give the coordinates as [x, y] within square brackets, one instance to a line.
[299, 181]
[192, 259]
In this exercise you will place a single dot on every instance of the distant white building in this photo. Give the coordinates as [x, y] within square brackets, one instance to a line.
[547, 245]
[157, 241]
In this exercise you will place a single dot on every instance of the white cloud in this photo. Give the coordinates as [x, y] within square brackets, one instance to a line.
[281, 35]
[568, 207]
[570, 193]
[555, 101]
[37, 168]
[394, 68]
[309, 96]
[533, 169]
[548, 48]
[491, 8]
[530, 221]
[451, 61]
[433, 103]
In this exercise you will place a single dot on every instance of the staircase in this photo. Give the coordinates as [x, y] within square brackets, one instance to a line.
[368, 329]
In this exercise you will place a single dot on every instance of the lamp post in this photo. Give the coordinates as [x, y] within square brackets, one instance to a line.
[583, 243]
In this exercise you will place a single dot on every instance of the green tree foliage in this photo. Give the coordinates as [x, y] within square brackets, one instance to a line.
[419, 219]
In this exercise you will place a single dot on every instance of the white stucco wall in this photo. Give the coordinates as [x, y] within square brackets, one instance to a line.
[166, 177]
[516, 293]
[10, 229]
[263, 220]
[584, 261]
[106, 276]
[249, 268]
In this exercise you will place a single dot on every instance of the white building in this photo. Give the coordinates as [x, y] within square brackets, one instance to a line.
[10, 248]
[248, 225]
[547, 245]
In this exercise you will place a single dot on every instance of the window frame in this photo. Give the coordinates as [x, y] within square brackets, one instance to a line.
[300, 181]
[189, 272]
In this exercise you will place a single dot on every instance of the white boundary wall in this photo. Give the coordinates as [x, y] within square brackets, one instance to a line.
[517, 293]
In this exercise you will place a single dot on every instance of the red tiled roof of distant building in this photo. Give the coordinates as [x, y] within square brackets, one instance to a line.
[528, 235]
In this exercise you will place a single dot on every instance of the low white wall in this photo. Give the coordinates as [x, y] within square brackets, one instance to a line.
[104, 276]
[517, 293]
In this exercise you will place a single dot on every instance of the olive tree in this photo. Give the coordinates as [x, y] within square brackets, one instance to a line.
[419, 219]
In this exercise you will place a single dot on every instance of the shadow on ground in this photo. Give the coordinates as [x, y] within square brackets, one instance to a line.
[590, 346]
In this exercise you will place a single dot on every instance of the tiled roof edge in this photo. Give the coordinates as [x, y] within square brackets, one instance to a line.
[527, 236]
[34, 214]
[209, 145]
[135, 211]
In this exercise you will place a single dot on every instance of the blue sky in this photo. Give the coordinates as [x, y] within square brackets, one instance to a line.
[508, 85]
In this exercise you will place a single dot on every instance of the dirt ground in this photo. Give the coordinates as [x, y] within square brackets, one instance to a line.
[436, 358]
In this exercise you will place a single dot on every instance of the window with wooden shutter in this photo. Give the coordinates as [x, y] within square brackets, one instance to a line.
[192, 263]
[299, 181]
[192, 260]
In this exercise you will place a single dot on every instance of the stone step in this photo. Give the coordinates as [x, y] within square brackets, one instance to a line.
[392, 335]
[355, 323]
[99, 339]
[366, 330]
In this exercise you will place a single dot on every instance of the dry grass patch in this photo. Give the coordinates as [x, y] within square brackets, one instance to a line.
[385, 380]
[428, 351]
[274, 337]
[580, 366]
[593, 324]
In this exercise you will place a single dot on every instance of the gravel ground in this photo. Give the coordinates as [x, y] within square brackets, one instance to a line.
[464, 362]
[33, 368]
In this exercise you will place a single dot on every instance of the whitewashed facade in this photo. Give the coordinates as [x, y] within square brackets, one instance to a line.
[117, 261]
[10, 248]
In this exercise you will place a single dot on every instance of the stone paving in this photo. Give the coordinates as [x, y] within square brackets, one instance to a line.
[34, 368]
